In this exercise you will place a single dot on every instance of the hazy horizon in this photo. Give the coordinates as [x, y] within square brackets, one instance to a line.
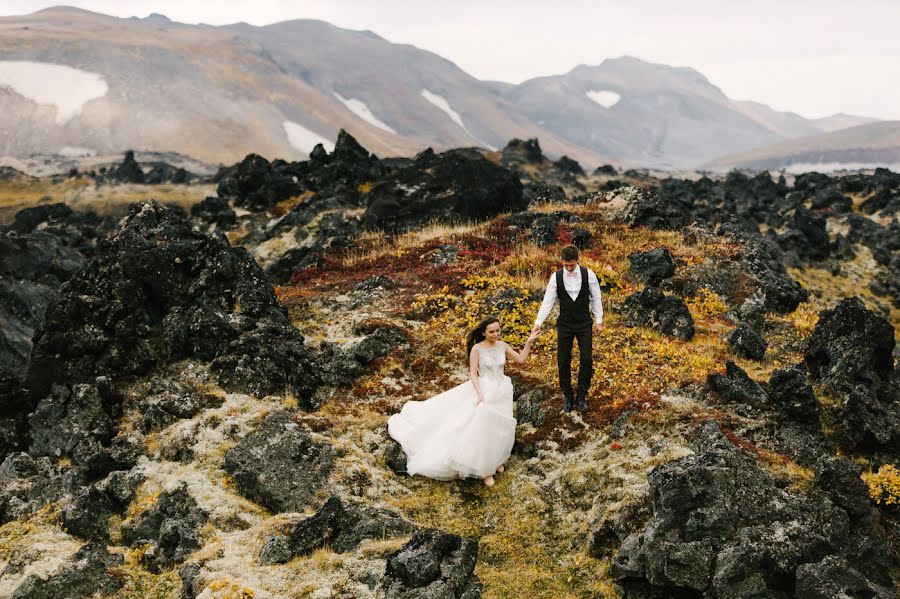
[812, 58]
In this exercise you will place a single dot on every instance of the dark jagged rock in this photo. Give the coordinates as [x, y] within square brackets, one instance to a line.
[255, 185]
[831, 197]
[581, 238]
[89, 573]
[834, 577]
[129, 171]
[342, 526]
[518, 151]
[722, 527]
[568, 166]
[27, 484]
[394, 457]
[160, 172]
[545, 230]
[40, 250]
[161, 292]
[88, 516]
[606, 169]
[747, 343]
[737, 386]
[345, 366]
[646, 208]
[171, 528]
[667, 314]
[190, 581]
[279, 465]
[449, 187]
[168, 402]
[214, 211]
[884, 242]
[535, 193]
[69, 416]
[792, 394]
[756, 269]
[851, 350]
[806, 235]
[652, 266]
[433, 564]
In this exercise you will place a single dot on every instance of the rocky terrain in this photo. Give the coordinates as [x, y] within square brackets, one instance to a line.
[194, 393]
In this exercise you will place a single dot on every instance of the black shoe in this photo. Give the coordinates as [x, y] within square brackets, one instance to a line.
[581, 405]
[568, 405]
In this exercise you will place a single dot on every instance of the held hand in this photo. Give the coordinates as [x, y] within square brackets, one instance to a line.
[535, 329]
[534, 335]
[480, 399]
[598, 327]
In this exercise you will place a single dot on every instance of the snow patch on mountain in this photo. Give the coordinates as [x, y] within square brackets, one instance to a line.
[442, 103]
[303, 139]
[605, 98]
[67, 88]
[359, 108]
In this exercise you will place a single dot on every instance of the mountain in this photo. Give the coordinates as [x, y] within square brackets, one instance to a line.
[867, 145]
[651, 114]
[218, 93]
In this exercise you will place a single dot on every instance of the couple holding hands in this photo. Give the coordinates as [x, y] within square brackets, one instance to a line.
[468, 431]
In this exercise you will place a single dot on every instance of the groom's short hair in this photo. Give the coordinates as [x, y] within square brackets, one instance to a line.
[569, 253]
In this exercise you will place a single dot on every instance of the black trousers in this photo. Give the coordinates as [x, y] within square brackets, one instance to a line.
[565, 339]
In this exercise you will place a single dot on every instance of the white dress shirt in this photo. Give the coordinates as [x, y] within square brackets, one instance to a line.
[572, 283]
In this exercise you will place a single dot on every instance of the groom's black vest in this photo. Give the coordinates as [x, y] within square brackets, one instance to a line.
[573, 315]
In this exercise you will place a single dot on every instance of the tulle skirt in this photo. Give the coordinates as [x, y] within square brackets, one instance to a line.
[448, 436]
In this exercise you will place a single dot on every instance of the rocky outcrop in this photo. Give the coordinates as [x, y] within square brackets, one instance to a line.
[170, 529]
[747, 343]
[339, 525]
[214, 211]
[433, 564]
[652, 266]
[451, 187]
[667, 314]
[40, 250]
[851, 351]
[721, 527]
[279, 465]
[346, 365]
[89, 573]
[88, 515]
[736, 386]
[160, 292]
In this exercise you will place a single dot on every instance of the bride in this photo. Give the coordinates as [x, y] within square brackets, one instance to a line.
[469, 430]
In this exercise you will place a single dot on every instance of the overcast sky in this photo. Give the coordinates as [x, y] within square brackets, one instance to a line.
[811, 57]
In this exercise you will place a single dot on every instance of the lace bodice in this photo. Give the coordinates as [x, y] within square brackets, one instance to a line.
[491, 360]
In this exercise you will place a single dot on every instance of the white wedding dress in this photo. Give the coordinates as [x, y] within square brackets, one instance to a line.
[450, 436]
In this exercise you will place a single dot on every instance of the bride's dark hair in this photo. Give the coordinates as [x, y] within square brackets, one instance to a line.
[476, 335]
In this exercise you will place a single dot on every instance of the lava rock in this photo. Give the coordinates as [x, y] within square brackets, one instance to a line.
[747, 343]
[255, 185]
[433, 564]
[851, 350]
[531, 407]
[667, 314]
[792, 394]
[68, 417]
[347, 365]
[737, 386]
[170, 528]
[279, 465]
[450, 187]
[27, 484]
[545, 230]
[88, 573]
[159, 293]
[568, 166]
[519, 151]
[395, 457]
[215, 211]
[167, 402]
[276, 550]
[536, 193]
[723, 528]
[652, 266]
[342, 526]
[129, 171]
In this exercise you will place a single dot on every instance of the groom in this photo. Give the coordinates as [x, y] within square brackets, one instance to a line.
[578, 292]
